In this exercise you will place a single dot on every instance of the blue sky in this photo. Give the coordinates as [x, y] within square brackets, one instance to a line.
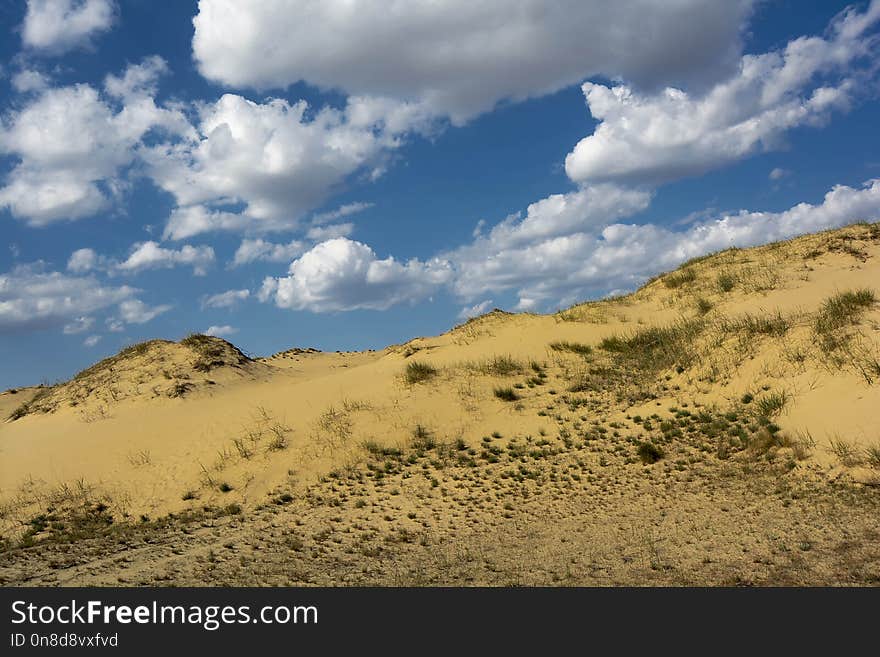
[160, 174]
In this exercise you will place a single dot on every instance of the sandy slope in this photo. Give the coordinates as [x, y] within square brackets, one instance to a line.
[239, 433]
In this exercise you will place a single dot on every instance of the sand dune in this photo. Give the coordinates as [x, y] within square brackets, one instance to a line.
[690, 398]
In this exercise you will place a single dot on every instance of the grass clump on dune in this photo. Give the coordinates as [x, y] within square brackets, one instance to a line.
[658, 347]
[419, 371]
[574, 347]
[752, 325]
[503, 366]
[679, 278]
[506, 394]
[843, 309]
[770, 405]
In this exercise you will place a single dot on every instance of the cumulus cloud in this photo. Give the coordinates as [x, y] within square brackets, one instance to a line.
[150, 255]
[92, 340]
[647, 138]
[31, 298]
[72, 145]
[227, 299]
[273, 162]
[460, 58]
[134, 311]
[56, 26]
[342, 274]
[260, 250]
[562, 214]
[221, 331]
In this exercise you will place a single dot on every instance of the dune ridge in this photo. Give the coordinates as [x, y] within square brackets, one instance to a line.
[724, 411]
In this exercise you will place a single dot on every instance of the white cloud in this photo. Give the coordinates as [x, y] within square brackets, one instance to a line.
[324, 233]
[274, 160]
[562, 214]
[193, 220]
[82, 260]
[92, 340]
[342, 274]
[227, 299]
[134, 311]
[28, 81]
[459, 58]
[779, 173]
[149, 255]
[72, 147]
[261, 250]
[79, 325]
[340, 212]
[655, 138]
[138, 79]
[476, 310]
[221, 331]
[56, 26]
[31, 298]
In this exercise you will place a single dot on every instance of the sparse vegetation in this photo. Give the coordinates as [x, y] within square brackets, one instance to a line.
[847, 452]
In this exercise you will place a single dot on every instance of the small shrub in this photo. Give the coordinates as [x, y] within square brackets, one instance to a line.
[649, 453]
[726, 281]
[419, 372]
[506, 394]
[703, 305]
[225, 487]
